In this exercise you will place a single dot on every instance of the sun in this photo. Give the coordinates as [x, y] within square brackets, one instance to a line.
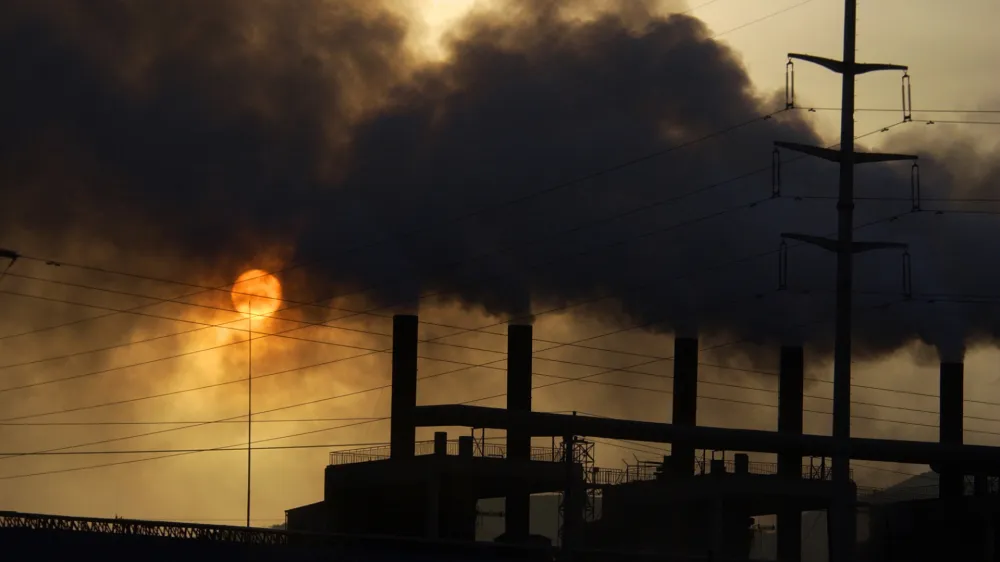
[256, 292]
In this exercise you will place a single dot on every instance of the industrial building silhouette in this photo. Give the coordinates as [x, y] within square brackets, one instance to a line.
[420, 499]
[686, 505]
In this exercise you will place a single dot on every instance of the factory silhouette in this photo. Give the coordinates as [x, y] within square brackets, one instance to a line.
[413, 499]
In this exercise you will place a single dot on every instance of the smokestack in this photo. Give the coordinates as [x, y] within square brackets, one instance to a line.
[685, 404]
[791, 380]
[518, 502]
[950, 423]
[790, 402]
[402, 432]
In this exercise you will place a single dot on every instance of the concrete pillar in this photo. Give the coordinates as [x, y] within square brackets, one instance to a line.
[742, 463]
[950, 422]
[433, 521]
[791, 382]
[685, 400]
[517, 507]
[981, 485]
[402, 432]
[441, 443]
[718, 550]
[465, 446]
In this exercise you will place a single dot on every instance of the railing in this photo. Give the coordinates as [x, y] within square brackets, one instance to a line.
[601, 477]
[809, 471]
[425, 448]
[648, 472]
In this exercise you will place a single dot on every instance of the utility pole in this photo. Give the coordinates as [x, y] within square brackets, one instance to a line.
[249, 398]
[842, 525]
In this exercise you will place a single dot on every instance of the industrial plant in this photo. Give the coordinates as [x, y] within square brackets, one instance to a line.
[715, 494]
[699, 503]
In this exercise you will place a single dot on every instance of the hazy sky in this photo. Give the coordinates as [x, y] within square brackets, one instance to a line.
[951, 49]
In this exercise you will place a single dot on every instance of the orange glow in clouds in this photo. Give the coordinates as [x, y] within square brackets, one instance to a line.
[258, 289]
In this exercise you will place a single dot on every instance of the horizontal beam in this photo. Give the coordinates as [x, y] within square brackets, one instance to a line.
[541, 424]
[840, 68]
[834, 246]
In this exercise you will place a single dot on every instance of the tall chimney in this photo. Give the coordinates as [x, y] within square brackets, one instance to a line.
[685, 402]
[950, 423]
[402, 432]
[518, 502]
[791, 381]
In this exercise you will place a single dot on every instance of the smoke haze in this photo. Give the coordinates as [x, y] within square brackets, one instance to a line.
[195, 139]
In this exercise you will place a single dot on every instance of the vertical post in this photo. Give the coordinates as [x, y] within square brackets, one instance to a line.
[791, 382]
[466, 447]
[402, 432]
[685, 401]
[842, 542]
[517, 507]
[571, 509]
[952, 480]
[249, 397]
[441, 443]
[433, 522]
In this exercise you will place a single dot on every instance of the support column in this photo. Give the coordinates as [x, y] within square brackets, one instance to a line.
[433, 522]
[951, 408]
[402, 432]
[517, 508]
[791, 382]
[685, 401]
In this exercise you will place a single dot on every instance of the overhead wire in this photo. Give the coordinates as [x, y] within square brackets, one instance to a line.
[581, 179]
[461, 217]
[561, 308]
[657, 359]
[578, 180]
[576, 304]
[282, 333]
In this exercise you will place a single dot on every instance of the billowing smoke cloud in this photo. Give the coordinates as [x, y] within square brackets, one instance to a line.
[219, 132]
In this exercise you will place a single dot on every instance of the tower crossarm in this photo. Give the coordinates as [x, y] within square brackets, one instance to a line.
[835, 155]
[840, 68]
[834, 246]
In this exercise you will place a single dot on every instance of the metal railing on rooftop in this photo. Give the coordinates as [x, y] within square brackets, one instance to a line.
[425, 448]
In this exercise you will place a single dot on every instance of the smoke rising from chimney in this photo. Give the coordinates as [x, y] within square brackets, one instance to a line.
[213, 132]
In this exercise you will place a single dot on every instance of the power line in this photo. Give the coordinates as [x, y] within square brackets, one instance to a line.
[955, 122]
[580, 179]
[573, 305]
[763, 18]
[283, 437]
[589, 300]
[176, 422]
[228, 449]
[899, 109]
[282, 332]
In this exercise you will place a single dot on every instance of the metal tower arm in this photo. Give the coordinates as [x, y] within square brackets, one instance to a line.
[833, 245]
[839, 67]
[835, 155]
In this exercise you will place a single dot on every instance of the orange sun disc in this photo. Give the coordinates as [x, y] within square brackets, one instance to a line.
[256, 292]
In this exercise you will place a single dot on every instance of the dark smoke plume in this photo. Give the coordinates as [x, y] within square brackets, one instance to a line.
[213, 131]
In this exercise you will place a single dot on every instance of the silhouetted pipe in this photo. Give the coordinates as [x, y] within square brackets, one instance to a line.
[981, 485]
[466, 446]
[685, 401]
[742, 463]
[402, 432]
[791, 380]
[441, 443]
[517, 508]
[951, 408]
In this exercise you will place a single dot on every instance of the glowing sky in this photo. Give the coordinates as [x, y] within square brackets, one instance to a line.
[952, 52]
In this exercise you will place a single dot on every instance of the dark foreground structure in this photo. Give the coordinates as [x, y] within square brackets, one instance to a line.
[50, 537]
[698, 503]
[418, 500]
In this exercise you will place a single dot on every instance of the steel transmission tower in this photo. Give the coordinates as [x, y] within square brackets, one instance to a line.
[842, 521]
